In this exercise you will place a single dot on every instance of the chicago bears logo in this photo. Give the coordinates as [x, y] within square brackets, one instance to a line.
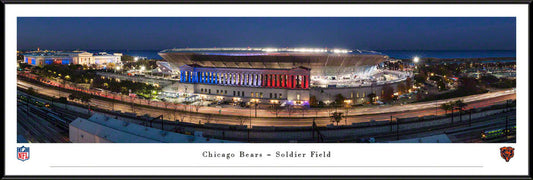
[507, 153]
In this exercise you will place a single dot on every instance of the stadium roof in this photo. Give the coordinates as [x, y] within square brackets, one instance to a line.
[266, 51]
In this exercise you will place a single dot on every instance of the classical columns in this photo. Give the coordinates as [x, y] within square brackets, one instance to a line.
[269, 81]
[257, 80]
[308, 82]
[250, 79]
[233, 79]
[278, 78]
[272, 80]
[293, 82]
[305, 82]
[283, 81]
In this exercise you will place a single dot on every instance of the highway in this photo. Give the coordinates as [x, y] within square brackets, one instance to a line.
[236, 116]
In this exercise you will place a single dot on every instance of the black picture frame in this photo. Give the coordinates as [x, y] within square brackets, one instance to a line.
[7, 2]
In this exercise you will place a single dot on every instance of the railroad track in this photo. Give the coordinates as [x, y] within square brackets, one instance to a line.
[456, 128]
[36, 128]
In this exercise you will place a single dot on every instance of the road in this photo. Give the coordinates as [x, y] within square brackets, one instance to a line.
[298, 117]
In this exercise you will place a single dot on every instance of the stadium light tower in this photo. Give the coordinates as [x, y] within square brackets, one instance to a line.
[416, 59]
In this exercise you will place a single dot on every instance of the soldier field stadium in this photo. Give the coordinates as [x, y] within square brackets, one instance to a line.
[281, 75]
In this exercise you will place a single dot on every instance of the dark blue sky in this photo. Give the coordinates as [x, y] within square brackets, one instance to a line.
[411, 33]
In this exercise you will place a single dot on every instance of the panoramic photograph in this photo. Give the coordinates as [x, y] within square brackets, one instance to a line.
[266, 80]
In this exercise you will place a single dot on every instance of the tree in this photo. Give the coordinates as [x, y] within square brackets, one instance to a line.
[321, 104]
[72, 96]
[339, 100]
[420, 78]
[289, 109]
[313, 101]
[62, 100]
[198, 105]
[111, 65]
[408, 82]
[31, 91]
[388, 92]
[489, 79]
[85, 98]
[371, 97]
[208, 118]
[304, 108]
[441, 85]
[275, 108]
[182, 116]
[126, 58]
[460, 105]
[402, 88]
[242, 120]
[468, 84]
[336, 117]
[446, 107]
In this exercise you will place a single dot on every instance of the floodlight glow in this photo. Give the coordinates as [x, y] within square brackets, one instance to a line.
[142, 68]
[270, 50]
[416, 59]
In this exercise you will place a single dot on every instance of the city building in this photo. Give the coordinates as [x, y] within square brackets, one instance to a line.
[281, 75]
[101, 60]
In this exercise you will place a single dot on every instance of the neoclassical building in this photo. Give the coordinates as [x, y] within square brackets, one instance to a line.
[101, 59]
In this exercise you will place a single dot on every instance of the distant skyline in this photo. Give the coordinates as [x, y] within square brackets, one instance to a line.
[369, 33]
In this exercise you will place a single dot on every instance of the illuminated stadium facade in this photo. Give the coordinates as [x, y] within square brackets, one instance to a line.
[279, 75]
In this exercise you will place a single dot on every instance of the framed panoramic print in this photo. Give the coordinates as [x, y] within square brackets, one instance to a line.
[211, 90]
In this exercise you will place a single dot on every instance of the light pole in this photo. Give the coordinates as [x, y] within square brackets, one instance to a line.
[255, 107]
[348, 102]
[416, 59]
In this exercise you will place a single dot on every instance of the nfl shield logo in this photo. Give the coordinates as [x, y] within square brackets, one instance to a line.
[23, 153]
[507, 153]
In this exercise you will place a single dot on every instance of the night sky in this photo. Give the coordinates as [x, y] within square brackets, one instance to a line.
[492, 33]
